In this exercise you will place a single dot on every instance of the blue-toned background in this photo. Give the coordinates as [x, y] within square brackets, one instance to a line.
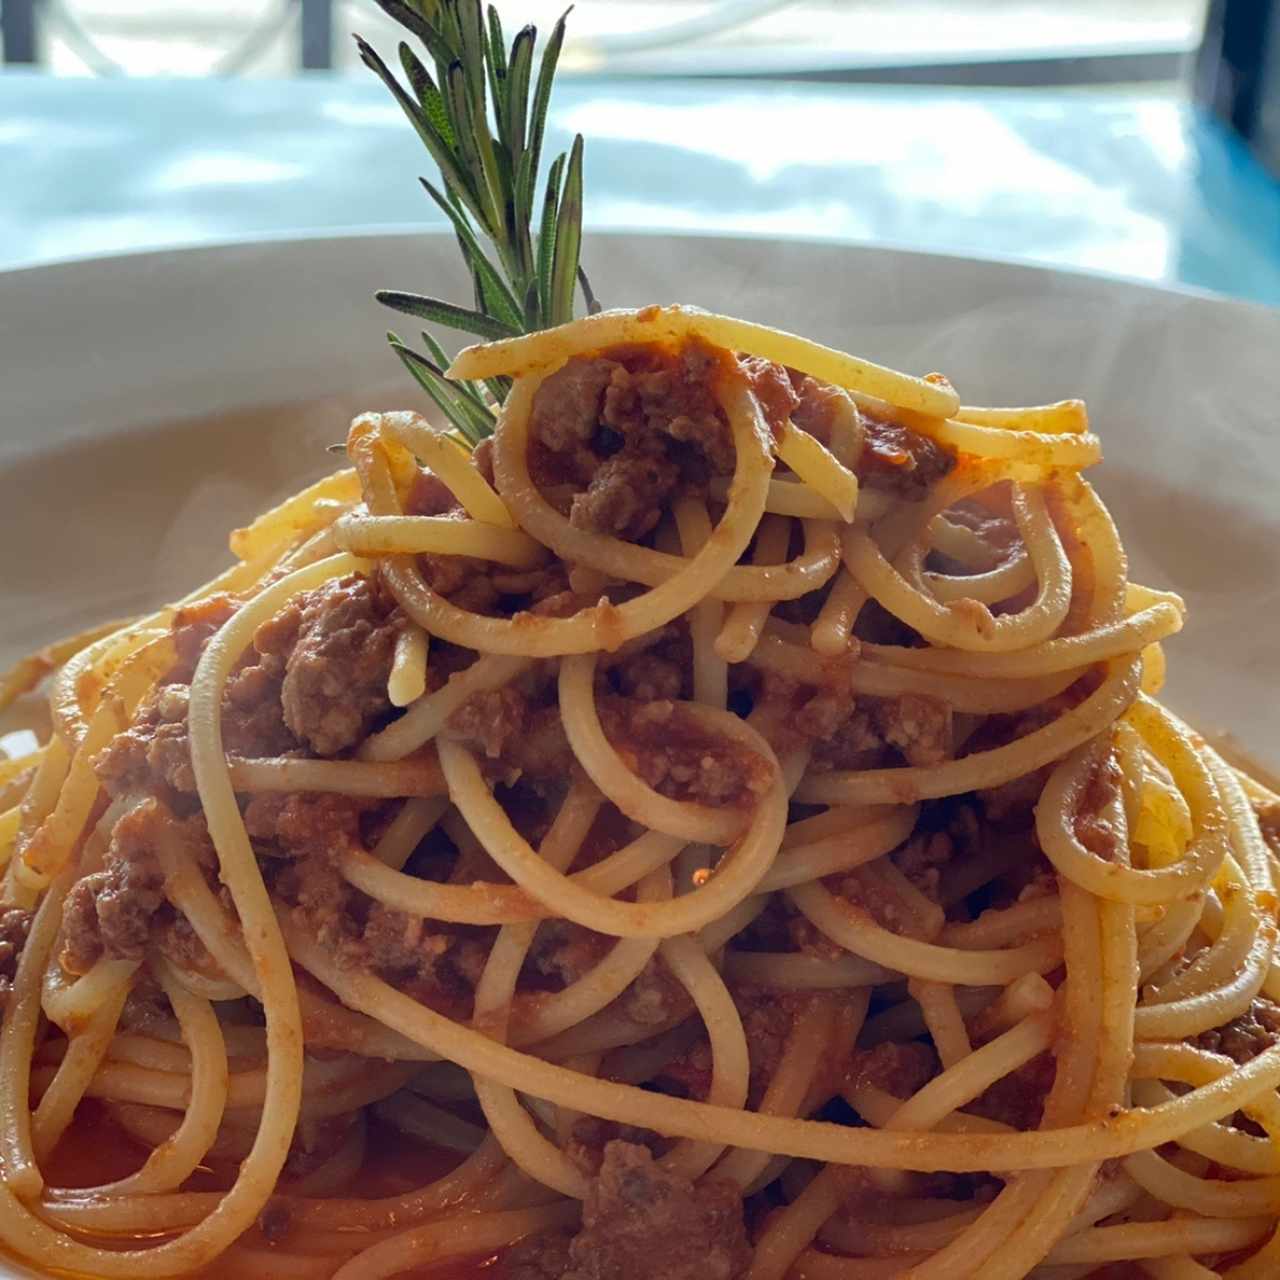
[1133, 181]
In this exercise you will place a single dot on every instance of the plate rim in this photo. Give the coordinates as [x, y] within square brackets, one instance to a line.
[312, 238]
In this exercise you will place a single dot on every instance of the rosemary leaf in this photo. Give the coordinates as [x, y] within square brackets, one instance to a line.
[465, 417]
[564, 274]
[410, 18]
[441, 357]
[482, 115]
[542, 99]
[446, 314]
[496, 61]
[505, 306]
[469, 155]
[517, 103]
[593, 307]
[454, 174]
[547, 236]
[429, 98]
[473, 50]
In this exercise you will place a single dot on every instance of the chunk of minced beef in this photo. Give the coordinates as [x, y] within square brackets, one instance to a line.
[1018, 1099]
[299, 838]
[340, 640]
[915, 727]
[900, 461]
[111, 912]
[296, 824]
[659, 670]
[538, 1257]
[490, 720]
[827, 414]
[675, 755]
[193, 626]
[619, 434]
[899, 1068]
[15, 924]
[1244, 1037]
[590, 1135]
[153, 755]
[640, 1222]
[563, 951]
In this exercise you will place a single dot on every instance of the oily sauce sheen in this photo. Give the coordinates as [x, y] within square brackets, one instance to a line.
[96, 1150]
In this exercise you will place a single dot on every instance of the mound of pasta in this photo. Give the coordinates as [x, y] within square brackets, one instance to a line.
[722, 826]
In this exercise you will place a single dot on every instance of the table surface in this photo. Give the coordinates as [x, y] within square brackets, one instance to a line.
[1132, 182]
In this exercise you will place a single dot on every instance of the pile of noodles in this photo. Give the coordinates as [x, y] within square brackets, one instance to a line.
[1150, 1148]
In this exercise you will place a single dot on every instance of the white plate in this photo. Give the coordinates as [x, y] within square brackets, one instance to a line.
[136, 424]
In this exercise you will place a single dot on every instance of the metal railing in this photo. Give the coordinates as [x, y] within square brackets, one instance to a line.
[675, 49]
[20, 22]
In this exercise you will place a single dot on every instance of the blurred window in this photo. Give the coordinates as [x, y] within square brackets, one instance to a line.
[965, 41]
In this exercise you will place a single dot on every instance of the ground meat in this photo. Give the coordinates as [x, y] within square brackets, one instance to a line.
[688, 1074]
[660, 670]
[616, 435]
[1246, 1036]
[899, 461]
[193, 626]
[463, 580]
[541, 754]
[340, 639]
[15, 924]
[429, 495]
[568, 407]
[437, 964]
[153, 750]
[297, 824]
[767, 1019]
[649, 678]
[1090, 824]
[146, 1007]
[641, 1223]
[901, 1069]
[299, 838]
[590, 1136]
[775, 389]
[1018, 1099]
[539, 1257]
[656, 998]
[153, 754]
[948, 830]
[177, 940]
[111, 912]
[1010, 806]
[918, 726]
[875, 731]
[564, 951]
[627, 494]
[790, 713]
[490, 720]
[822, 411]
[672, 752]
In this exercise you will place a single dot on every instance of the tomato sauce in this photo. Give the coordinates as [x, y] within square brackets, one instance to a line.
[97, 1150]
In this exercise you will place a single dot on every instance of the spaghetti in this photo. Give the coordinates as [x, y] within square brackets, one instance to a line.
[725, 826]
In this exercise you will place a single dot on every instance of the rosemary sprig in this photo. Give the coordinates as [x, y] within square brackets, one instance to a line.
[482, 116]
